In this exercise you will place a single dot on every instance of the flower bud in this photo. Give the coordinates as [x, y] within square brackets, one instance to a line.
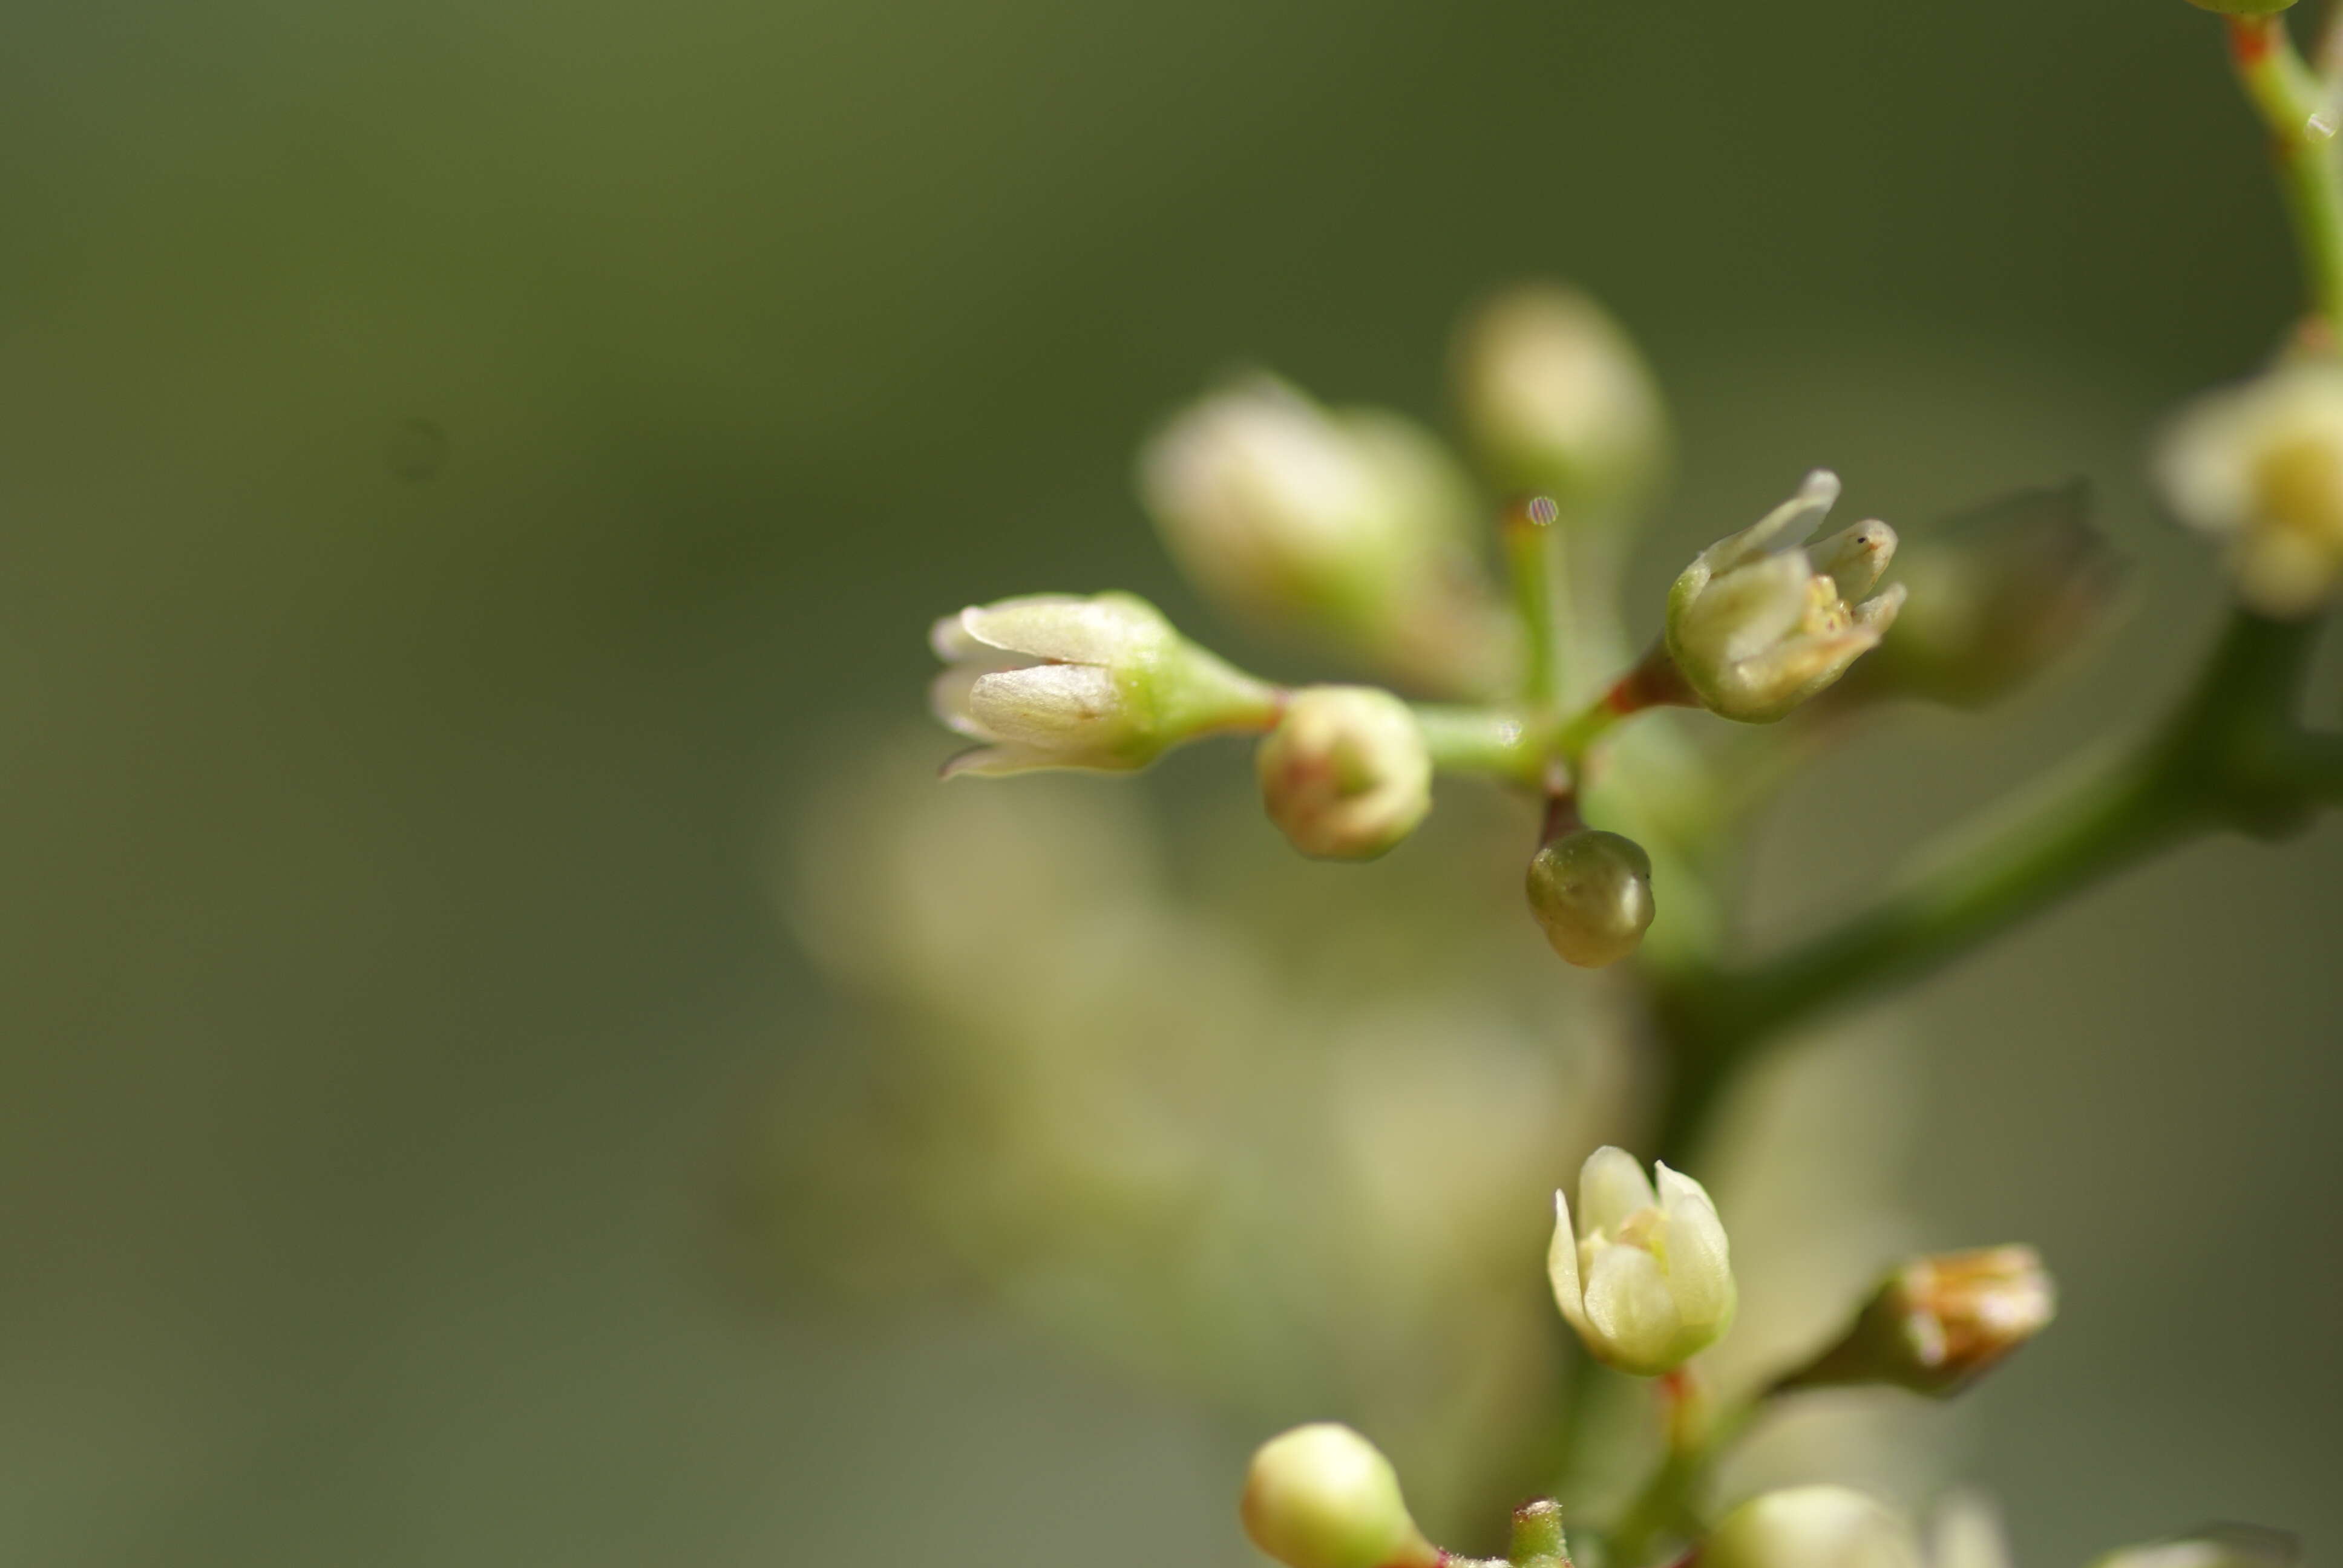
[1757, 624]
[2244, 8]
[1325, 1497]
[1939, 1323]
[1356, 523]
[1646, 1277]
[1556, 398]
[1056, 681]
[2260, 466]
[1994, 595]
[1811, 1527]
[2215, 1546]
[1345, 775]
[1592, 892]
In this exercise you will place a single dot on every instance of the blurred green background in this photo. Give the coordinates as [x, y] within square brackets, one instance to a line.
[465, 465]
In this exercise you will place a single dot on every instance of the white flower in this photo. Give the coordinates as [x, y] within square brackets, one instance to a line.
[1345, 775]
[1056, 681]
[1325, 1497]
[1811, 1527]
[1356, 523]
[1757, 624]
[1645, 1277]
[1557, 396]
[2260, 466]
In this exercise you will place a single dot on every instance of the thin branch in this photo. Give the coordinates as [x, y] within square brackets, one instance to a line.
[2231, 757]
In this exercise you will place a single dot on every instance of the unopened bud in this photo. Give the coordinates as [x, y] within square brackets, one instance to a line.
[1644, 1273]
[2259, 466]
[1356, 523]
[1592, 892]
[1323, 1496]
[2214, 1546]
[2244, 8]
[1557, 399]
[1811, 1527]
[1757, 624]
[1940, 1323]
[1052, 680]
[1994, 595]
[1345, 775]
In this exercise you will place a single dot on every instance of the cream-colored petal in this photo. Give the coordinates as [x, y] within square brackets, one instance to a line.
[1046, 705]
[1611, 1186]
[1765, 687]
[1877, 613]
[1066, 629]
[1748, 609]
[1631, 1310]
[948, 699]
[1561, 1266]
[1855, 557]
[950, 640]
[1699, 1259]
[1786, 525]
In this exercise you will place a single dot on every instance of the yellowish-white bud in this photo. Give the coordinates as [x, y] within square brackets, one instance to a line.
[1645, 1277]
[1811, 1527]
[1345, 775]
[1557, 399]
[2216, 1546]
[1760, 622]
[1591, 893]
[2259, 466]
[1938, 1323]
[1054, 680]
[1355, 523]
[1323, 1496]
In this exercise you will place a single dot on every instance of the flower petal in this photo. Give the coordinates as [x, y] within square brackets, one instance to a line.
[1067, 629]
[1699, 1259]
[1611, 1186]
[1561, 1266]
[1632, 1311]
[1049, 707]
[948, 699]
[1787, 524]
[1745, 611]
[1855, 557]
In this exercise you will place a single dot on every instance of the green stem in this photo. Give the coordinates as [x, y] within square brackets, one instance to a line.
[2231, 757]
[1487, 740]
[2298, 109]
[1534, 558]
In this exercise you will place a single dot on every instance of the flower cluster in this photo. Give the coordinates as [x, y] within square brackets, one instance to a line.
[1355, 527]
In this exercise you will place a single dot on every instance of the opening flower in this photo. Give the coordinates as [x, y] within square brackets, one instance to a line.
[1646, 1276]
[1758, 623]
